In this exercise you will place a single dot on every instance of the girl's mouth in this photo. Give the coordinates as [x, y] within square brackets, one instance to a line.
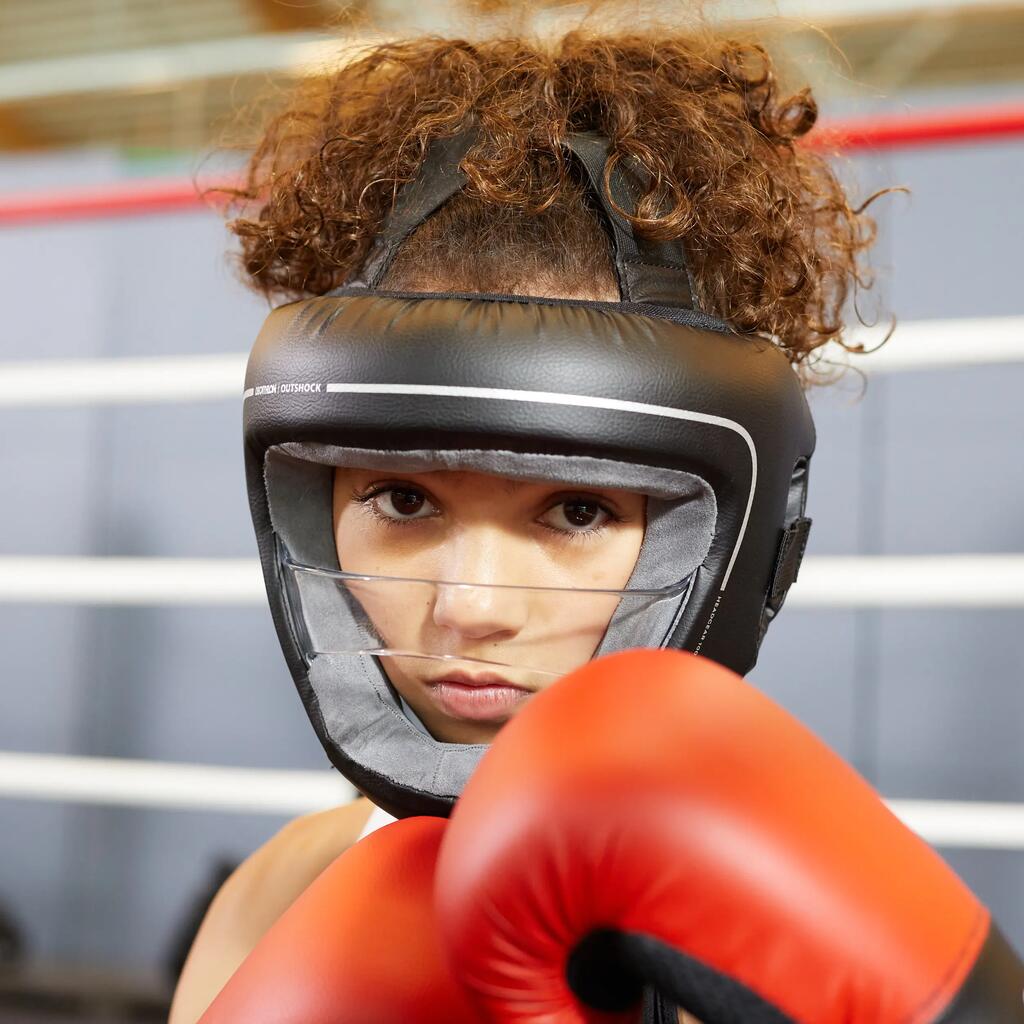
[482, 697]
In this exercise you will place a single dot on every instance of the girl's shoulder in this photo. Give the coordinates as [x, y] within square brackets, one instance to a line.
[286, 864]
[256, 895]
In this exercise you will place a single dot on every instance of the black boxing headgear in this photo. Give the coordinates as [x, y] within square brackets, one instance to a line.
[648, 394]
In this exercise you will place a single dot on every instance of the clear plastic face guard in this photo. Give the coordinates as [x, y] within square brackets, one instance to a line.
[528, 635]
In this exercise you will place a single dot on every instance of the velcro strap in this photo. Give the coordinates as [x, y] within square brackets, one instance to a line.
[787, 564]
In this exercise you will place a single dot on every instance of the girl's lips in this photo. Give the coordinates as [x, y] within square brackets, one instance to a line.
[476, 699]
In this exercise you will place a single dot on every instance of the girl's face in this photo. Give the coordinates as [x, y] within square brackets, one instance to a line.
[510, 537]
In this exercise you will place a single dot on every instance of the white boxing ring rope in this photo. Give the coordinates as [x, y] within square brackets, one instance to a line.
[917, 345]
[978, 581]
[160, 784]
[130, 783]
[826, 581]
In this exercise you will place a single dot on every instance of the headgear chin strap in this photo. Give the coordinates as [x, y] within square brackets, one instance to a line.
[647, 394]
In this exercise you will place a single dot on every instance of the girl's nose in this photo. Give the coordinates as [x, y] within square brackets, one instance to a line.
[479, 611]
[481, 606]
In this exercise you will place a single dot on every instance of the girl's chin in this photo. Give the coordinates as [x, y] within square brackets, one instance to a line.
[469, 735]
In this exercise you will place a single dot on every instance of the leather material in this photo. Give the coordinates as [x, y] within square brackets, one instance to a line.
[750, 873]
[359, 945]
[749, 426]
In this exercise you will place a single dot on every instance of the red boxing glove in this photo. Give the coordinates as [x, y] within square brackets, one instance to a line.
[653, 819]
[359, 946]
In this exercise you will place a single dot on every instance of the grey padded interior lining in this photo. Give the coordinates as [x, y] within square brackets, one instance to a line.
[364, 719]
[583, 470]
[362, 711]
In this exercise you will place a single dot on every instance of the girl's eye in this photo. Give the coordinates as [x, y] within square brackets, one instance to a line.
[403, 503]
[576, 515]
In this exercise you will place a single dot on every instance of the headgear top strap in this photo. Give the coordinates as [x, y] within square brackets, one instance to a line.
[439, 178]
[648, 271]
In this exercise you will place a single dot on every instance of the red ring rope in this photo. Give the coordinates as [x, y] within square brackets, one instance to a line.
[963, 124]
[134, 198]
[116, 199]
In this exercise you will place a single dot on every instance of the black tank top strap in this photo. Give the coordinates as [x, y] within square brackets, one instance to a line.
[658, 1010]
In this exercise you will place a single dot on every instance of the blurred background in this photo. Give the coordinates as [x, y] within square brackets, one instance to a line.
[150, 738]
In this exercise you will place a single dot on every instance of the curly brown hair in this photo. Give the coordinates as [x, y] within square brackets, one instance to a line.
[774, 242]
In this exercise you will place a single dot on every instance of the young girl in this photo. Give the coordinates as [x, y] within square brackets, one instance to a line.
[468, 579]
